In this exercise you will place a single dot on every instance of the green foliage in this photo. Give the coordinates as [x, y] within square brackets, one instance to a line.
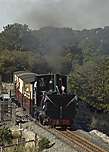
[15, 60]
[17, 37]
[74, 49]
[43, 144]
[5, 135]
[91, 83]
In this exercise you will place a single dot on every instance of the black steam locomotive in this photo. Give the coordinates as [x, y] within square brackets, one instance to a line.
[45, 97]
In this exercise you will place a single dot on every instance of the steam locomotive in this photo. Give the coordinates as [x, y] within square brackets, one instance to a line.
[46, 98]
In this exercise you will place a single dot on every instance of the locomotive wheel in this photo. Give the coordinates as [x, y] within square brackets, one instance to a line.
[41, 120]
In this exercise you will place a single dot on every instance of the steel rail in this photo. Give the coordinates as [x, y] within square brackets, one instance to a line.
[80, 141]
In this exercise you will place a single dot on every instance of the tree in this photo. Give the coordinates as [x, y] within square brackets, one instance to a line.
[91, 83]
[17, 37]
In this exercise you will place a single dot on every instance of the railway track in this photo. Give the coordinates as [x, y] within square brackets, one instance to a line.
[74, 139]
[81, 142]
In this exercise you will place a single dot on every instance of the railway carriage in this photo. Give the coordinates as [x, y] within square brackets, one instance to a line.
[24, 83]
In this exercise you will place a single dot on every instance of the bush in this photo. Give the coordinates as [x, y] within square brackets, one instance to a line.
[5, 136]
[43, 144]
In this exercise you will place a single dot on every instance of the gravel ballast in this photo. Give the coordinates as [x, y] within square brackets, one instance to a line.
[59, 146]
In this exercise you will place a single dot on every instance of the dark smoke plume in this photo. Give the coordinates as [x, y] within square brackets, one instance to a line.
[78, 14]
[64, 13]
